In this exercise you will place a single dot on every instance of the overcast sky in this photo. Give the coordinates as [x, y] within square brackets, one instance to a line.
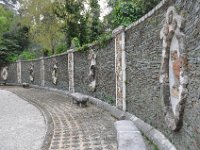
[104, 7]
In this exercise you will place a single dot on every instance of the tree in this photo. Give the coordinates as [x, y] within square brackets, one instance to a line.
[125, 12]
[95, 27]
[44, 25]
[14, 41]
[6, 18]
[70, 13]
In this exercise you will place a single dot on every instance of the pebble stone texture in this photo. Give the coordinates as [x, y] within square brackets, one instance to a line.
[75, 128]
[25, 69]
[37, 72]
[12, 73]
[62, 72]
[144, 47]
[22, 126]
[105, 72]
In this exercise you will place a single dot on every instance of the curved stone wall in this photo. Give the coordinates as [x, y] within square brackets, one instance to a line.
[105, 72]
[143, 49]
[144, 54]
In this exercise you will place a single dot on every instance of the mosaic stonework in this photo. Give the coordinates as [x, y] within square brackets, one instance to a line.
[71, 70]
[31, 73]
[92, 71]
[174, 74]
[54, 72]
[4, 73]
[120, 68]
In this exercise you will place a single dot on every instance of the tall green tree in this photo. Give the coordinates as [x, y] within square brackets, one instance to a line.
[6, 18]
[95, 26]
[70, 11]
[125, 12]
[44, 24]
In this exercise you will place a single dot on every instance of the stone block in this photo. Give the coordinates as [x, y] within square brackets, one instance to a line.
[128, 136]
[79, 99]
[25, 85]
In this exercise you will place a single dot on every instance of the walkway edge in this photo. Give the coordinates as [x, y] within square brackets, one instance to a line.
[48, 122]
[150, 132]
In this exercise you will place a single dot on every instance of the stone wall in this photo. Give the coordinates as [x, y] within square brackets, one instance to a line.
[104, 73]
[37, 72]
[143, 48]
[62, 72]
[143, 53]
[25, 67]
[12, 73]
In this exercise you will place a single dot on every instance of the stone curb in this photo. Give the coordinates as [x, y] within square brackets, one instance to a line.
[48, 122]
[150, 132]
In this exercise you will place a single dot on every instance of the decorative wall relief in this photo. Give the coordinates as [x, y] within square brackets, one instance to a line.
[92, 71]
[174, 69]
[54, 72]
[4, 73]
[31, 73]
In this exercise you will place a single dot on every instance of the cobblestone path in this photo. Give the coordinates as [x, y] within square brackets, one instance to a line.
[69, 126]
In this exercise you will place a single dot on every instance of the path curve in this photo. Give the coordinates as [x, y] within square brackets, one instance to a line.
[74, 128]
[22, 126]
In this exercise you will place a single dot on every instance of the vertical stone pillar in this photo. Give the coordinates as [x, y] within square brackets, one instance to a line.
[19, 71]
[71, 70]
[120, 67]
[42, 71]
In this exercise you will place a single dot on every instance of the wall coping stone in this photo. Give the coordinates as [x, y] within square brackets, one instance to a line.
[118, 30]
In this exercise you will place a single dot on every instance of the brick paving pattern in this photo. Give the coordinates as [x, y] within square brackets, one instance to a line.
[75, 128]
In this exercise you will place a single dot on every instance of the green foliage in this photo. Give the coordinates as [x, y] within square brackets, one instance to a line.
[95, 21]
[101, 42]
[27, 55]
[16, 39]
[71, 13]
[6, 18]
[45, 27]
[109, 99]
[75, 42]
[13, 36]
[103, 39]
[12, 58]
[125, 12]
[61, 48]
[46, 52]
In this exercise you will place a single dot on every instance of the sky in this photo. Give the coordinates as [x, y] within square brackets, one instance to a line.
[104, 8]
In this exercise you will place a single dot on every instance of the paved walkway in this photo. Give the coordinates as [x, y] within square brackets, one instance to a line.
[69, 126]
[22, 126]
